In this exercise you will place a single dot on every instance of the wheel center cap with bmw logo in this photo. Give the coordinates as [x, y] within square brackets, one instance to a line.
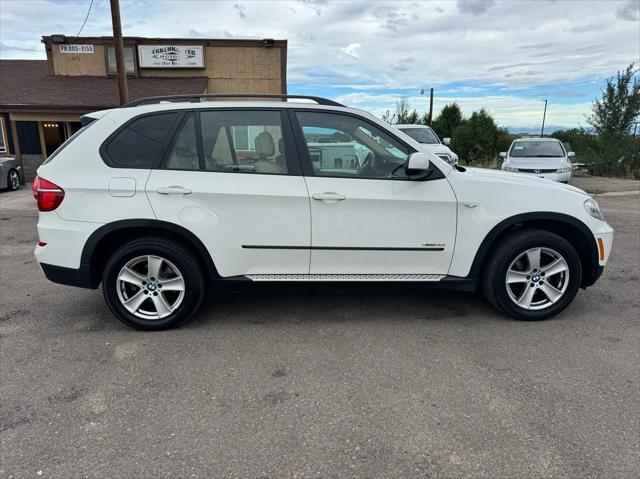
[535, 278]
[152, 286]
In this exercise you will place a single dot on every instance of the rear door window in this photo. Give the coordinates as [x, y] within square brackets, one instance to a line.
[141, 143]
[244, 142]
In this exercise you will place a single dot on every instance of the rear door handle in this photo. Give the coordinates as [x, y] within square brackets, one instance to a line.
[173, 190]
[328, 196]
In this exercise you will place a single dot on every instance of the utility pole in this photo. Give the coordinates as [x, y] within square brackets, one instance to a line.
[544, 115]
[430, 119]
[119, 48]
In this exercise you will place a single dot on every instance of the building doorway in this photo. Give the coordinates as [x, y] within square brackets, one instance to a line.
[53, 135]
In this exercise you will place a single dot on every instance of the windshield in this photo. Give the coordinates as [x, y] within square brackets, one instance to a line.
[422, 135]
[536, 149]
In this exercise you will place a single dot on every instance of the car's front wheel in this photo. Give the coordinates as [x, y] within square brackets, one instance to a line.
[532, 275]
[152, 284]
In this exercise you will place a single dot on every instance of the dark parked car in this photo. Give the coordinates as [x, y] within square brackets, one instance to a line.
[9, 173]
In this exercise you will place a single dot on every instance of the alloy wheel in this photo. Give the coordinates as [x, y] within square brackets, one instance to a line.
[150, 287]
[14, 180]
[537, 278]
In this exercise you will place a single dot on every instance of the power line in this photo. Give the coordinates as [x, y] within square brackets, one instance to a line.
[85, 21]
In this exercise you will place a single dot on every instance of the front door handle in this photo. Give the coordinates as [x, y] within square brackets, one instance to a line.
[173, 190]
[328, 196]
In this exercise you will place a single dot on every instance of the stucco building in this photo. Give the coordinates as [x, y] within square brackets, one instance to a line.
[41, 101]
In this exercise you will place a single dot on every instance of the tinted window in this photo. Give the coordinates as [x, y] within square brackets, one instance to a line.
[142, 142]
[536, 149]
[422, 135]
[341, 145]
[243, 142]
[183, 153]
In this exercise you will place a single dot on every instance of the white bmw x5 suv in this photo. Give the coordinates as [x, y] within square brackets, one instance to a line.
[156, 199]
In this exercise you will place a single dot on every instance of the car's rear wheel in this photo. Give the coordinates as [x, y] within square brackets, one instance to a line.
[13, 180]
[152, 284]
[532, 275]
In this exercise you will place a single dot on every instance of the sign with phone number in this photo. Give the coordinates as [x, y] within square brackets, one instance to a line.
[76, 49]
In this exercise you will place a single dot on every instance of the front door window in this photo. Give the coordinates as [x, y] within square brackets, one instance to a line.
[346, 146]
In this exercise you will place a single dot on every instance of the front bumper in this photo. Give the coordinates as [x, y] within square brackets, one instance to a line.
[603, 236]
[553, 176]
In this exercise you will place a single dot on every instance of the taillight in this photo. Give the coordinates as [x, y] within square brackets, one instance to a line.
[34, 188]
[47, 194]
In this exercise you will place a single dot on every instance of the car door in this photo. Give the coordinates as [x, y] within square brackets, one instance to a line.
[230, 176]
[368, 218]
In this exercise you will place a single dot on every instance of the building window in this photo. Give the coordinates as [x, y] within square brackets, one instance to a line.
[129, 61]
[4, 144]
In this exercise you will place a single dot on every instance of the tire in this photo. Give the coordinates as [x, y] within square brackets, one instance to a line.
[13, 180]
[516, 256]
[133, 278]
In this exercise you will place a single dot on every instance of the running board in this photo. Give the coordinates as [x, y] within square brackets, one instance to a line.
[345, 277]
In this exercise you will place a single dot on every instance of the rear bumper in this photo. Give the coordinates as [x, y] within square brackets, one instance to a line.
[80, 277]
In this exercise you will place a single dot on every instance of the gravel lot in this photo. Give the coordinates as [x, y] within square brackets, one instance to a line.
[315, 381]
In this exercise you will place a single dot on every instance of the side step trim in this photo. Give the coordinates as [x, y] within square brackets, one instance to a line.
[345, 277]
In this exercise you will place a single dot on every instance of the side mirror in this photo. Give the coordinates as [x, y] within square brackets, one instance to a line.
[418, 167]
[571, 154]
[446, 141]
[503, 154]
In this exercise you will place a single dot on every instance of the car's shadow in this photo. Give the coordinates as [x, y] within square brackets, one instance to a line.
[262, 303]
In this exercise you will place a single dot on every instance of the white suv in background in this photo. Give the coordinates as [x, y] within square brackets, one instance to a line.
[155, 200]
[542, 157]
[425, 135]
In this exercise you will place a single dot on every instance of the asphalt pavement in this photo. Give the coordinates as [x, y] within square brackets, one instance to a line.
[319, 381]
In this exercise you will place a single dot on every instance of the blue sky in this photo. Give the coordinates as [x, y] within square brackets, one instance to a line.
[503, 55]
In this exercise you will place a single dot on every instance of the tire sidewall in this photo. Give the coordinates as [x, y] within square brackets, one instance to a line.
[177, 256]
[542, 240]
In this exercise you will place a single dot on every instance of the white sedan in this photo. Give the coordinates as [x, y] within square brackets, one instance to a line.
[543, 157]
[425, 135]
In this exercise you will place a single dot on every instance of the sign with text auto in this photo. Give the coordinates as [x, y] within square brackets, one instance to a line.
[170, 56]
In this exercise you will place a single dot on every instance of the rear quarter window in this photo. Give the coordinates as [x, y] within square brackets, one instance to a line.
[141, 143]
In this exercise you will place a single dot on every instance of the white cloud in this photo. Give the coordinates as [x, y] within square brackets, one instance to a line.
[352, 50]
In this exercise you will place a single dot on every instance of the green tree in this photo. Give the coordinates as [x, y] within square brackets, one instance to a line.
[447, 121]
[619, 108]
[476, 140]
[403, 115]
[615, 150]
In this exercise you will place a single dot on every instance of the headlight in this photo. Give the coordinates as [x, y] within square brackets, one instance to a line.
[510, 168]
[593, 209]
[564, 170]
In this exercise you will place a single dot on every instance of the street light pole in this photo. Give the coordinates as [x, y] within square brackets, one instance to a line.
[430, 106]
[119, 49]
[544, 115]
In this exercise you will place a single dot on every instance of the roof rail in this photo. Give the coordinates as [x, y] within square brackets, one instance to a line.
[196, 98]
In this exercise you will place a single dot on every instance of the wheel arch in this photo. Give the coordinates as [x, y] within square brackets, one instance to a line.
[108, 238]
[571, 229]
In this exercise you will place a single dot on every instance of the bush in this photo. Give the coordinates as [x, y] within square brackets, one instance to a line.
[476, 139]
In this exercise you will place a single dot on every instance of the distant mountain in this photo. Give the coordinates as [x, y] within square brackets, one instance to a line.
[535, 130]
